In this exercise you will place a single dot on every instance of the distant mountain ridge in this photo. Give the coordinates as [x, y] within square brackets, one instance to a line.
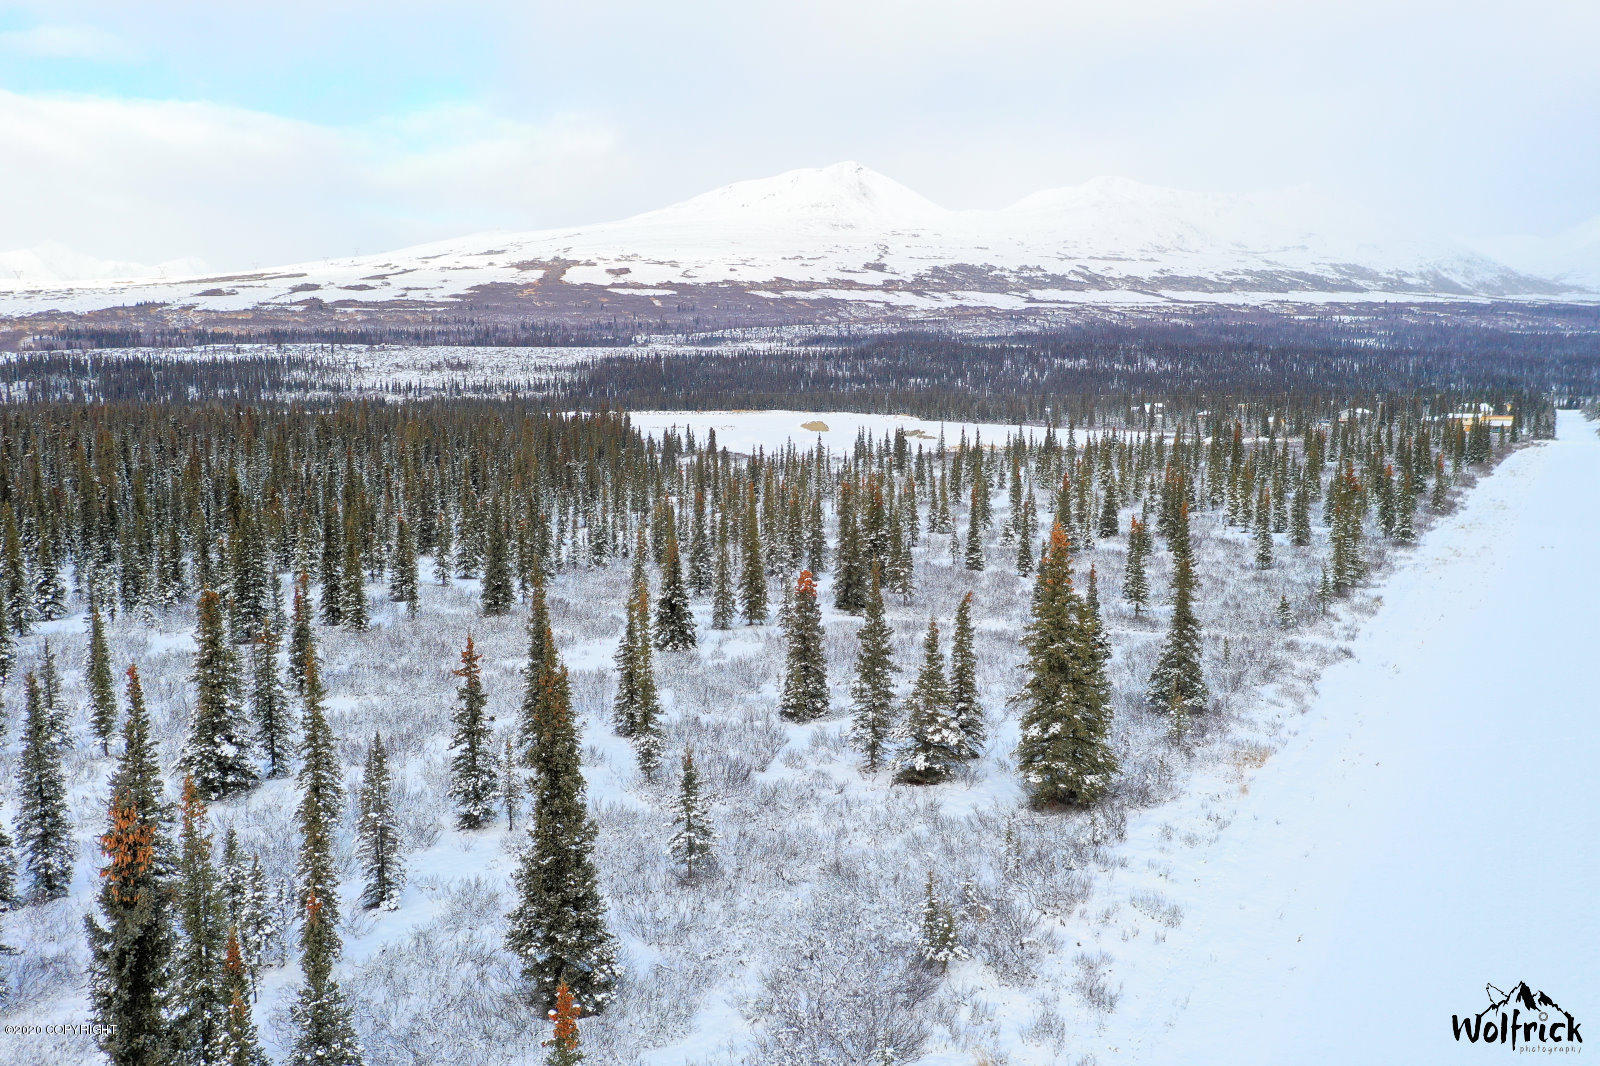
[844, 240]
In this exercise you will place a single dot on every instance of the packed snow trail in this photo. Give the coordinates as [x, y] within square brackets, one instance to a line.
[1433, 828]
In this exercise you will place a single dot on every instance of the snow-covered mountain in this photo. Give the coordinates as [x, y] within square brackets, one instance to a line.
[845, 235]
[52, 263]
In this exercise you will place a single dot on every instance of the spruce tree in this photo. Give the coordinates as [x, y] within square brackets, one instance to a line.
[722, 602]
[324, 1034]
[217, 754]
[752, 573]
[964, 705]
[472, 772]
[269, 704]
[934, 741]
[498, 589]
[197, 963]
[558, 927]
[1135, 586]
[511, 787]
[805, 679]
[1177, 684]
[300, 632]
[8, 654]
[102, 691]
[403, 581]
[1064, 754]
[1263, 531]
[693, 837]
[44, 828]
[938, 943]
[872, 691]
[130, 942]
[353, 588]
[378, 835]
[674, 629]
[239, 1044]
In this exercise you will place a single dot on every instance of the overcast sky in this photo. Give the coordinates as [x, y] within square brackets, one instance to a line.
[251, 134]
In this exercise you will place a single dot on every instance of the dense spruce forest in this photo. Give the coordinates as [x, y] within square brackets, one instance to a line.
[418, 621]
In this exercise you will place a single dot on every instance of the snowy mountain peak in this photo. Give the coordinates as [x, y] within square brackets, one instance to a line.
[844, 195]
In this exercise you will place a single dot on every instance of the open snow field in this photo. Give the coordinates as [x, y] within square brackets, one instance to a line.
[743, 432]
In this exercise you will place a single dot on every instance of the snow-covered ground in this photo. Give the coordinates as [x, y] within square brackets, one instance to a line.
[1432, 825]
[743, 432]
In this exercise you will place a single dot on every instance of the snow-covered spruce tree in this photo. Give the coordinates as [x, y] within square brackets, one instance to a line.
[674, 628]
[851, 575]
[1300, 512]
[403, 579]
[1263, 530]
[44, 828]
[472, 771]
[972, 557]
[102, 690]
[1064, 754]
[563, 1043]
[300, 632]
[377, 834]
[239, 1044]
[1135, 585]
[933, 740]
[964, 705]
[938, 942]
[1177, 684]
[197, 975]
[498, 590]
[269, 703]
[511, 787]
[540, 646]
[9, 899]
[324, 1035]
[872, 691]
[130, 941]
[723, 607]
[693, 837]
[217, 754]
[558, 927]
[637, 707]
[49, 595]
[50, 692]
[353, 578]
[752, 572]
[805, 676]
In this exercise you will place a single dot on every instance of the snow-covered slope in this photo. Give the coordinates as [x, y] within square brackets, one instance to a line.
[52, 263]
[847, 233]
[1572, 257]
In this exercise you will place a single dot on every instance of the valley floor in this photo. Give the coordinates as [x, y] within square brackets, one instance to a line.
[1432, 827]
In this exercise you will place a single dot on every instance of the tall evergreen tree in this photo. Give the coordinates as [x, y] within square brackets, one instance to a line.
[377, 833]
[805, 679]
[1064, 754]
[269, 703]
[498, 589]
[44, 827]
[1135, 586]
[324, 1033]
[239, 1045]
[674, 629]
[102, 691]
[964, 705]
[558, 927]
[472, 772]
[300, 632]
[693, 837]
[1177, 684]
[752, 573]
[933, 737]
[130, 942]
[217, 754]
[197, 970]
[403, 581]
[872, 691]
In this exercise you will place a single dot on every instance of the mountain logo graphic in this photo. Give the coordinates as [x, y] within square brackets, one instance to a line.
[1521, 1017]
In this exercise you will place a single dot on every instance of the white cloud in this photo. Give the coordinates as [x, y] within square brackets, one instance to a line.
[143, 180]
[64, 42]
